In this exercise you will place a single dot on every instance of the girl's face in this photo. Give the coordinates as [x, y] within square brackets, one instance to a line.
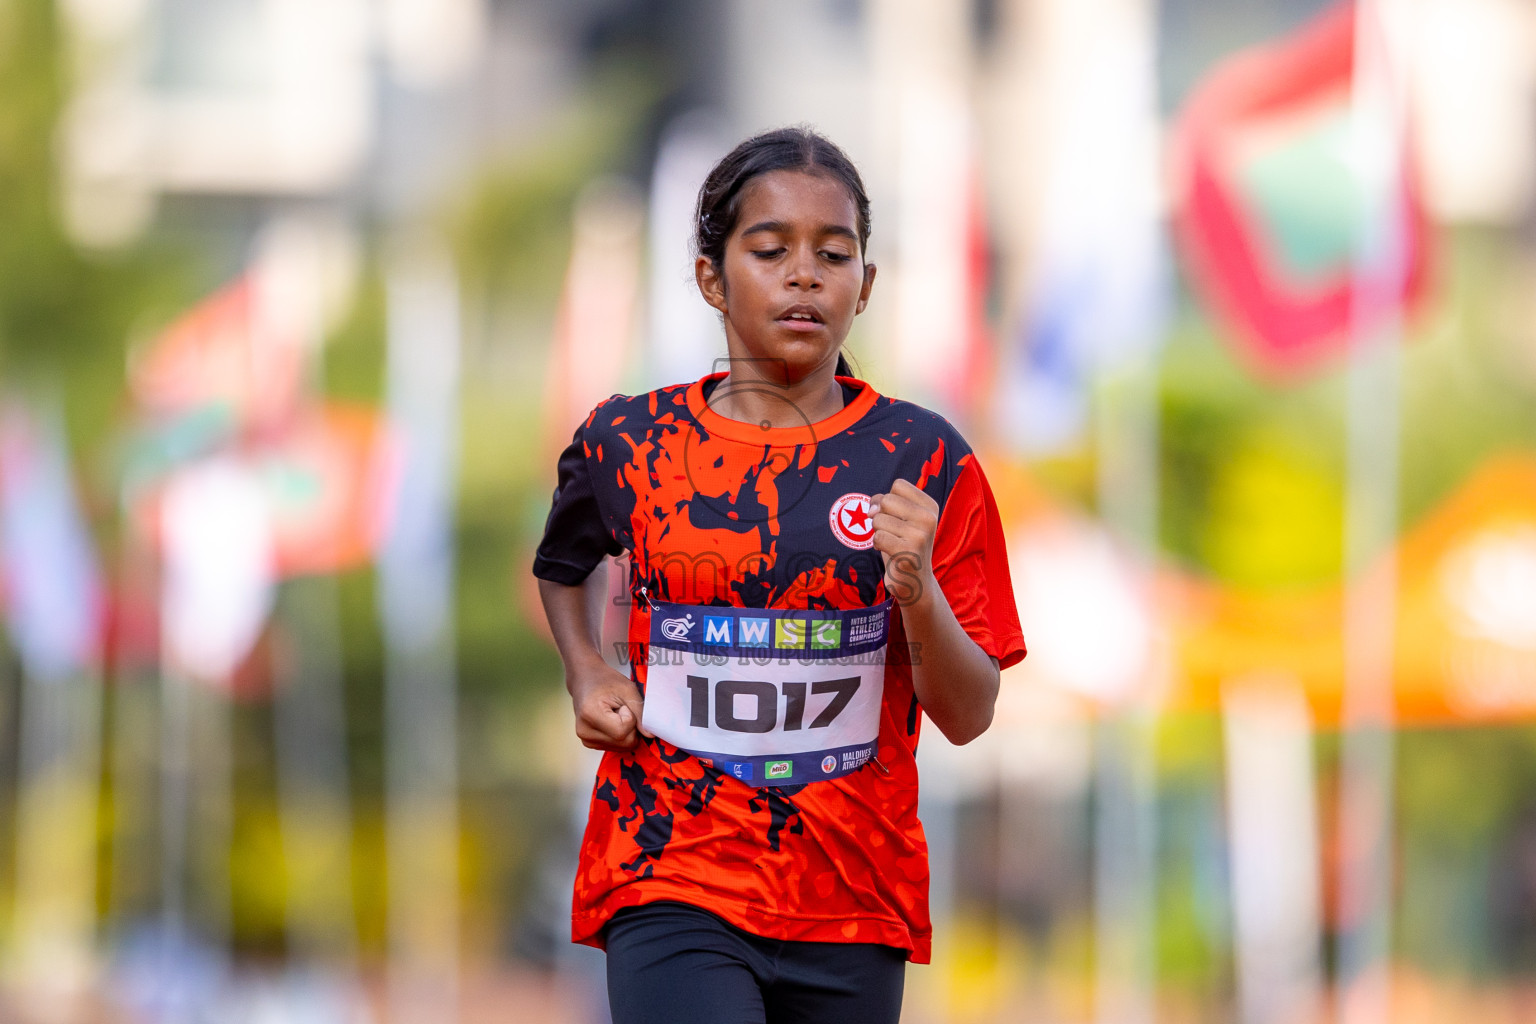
[793, 277]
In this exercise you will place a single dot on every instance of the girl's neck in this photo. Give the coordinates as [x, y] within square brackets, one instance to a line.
[748, 397]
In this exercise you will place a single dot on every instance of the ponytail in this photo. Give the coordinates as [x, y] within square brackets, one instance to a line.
[842, 369]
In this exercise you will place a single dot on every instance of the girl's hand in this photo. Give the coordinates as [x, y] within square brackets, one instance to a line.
[608, 709]
[607, 703]
[905, 520]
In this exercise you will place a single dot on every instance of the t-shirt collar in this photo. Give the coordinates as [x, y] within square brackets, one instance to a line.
[751, 433]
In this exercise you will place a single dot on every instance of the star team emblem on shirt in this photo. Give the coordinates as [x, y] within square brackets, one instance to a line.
[851, 522]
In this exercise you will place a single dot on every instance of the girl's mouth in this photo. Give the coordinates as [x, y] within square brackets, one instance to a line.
[801, 318]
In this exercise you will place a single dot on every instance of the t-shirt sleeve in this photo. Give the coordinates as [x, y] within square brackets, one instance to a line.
[970, 561]
[575, 538]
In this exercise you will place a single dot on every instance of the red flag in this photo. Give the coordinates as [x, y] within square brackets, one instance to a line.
[224, 352]
[329, 481]
[1271, 203]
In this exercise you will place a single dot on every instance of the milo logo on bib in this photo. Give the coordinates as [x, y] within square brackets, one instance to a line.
[770, 697]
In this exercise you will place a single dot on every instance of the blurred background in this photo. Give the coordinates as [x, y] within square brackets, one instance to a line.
[299, 301]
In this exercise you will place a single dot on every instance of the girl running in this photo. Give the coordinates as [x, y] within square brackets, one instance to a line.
[816, 568]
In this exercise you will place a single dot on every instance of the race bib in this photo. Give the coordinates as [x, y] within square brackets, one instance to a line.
[770, 697]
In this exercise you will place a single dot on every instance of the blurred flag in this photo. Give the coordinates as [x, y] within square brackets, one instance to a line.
[232, 354]
[329, 482]
[973, 385]
[1272, 194]
[1043, 405]
[229, 380]
[216, 534]
[1097, 295]
[50, 573]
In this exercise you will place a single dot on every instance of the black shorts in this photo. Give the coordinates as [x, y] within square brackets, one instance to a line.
[671, 963]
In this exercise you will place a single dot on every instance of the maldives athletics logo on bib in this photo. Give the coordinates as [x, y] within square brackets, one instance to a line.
[851, 521]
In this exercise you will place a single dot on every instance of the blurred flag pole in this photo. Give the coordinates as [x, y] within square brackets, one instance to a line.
[682, 338]
[175, 796]
[595, 327]
[1273, 835]
[315, 804]
[593, 342]
[1120, 201]
[1125, 783]
[55, 618]
[924, 60]
[1094, 319]
[1373, 425]
[415, 594]
[304, 274]
[132, 737]
[1279, 103]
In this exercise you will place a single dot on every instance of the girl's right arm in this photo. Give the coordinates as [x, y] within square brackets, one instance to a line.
[607, 703]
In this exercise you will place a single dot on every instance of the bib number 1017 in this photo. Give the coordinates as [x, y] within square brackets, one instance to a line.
[764, 696]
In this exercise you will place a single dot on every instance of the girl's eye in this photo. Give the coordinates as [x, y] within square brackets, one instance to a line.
[767, 254]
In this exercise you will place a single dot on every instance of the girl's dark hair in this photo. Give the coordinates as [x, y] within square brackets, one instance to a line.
[784, 149]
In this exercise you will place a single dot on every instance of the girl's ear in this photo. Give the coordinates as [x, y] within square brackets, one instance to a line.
[711, 284]
[869, 282]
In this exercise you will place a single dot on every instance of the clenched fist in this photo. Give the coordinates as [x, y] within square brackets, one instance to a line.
[905, 520]
[608, 710]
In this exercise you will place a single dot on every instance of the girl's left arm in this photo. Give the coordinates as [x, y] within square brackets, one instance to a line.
[955, 680]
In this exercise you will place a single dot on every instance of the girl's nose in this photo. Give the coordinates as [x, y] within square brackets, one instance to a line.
[801, 270]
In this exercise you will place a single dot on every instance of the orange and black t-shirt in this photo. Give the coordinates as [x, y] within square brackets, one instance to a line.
[745, 521]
